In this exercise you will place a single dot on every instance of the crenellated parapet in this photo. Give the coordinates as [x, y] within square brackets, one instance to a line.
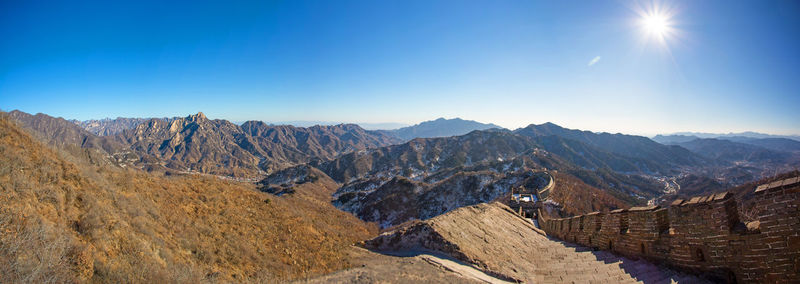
[703, 234]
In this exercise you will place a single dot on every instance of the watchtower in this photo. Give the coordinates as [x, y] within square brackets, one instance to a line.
[523, 201]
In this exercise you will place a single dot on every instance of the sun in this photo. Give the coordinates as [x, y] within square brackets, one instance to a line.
[656, 25]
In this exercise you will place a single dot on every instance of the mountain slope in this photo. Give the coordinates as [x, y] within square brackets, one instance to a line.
[434, 159]
[293, 144]
[638, 147]
[198, 144]
[194, 143]
[420, 157]
[735, 152]
[748, 134]
[67, 136]
[772, 143]
[440, 128]
[110, 127]
[673, 139]
[64, 221]
[427, 177]
[394, 201]
[775, 144]
[60, 132]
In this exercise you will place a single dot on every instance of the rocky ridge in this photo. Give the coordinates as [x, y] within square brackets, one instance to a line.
[111, 127]
[196, 144]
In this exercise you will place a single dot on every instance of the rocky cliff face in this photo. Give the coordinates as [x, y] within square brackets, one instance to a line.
[194, 144]
[110, 127]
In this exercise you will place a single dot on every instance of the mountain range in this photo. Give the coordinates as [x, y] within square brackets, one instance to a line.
[194, 199]
[110, 127]
[748, 134]
[627, 169]
[198, 144]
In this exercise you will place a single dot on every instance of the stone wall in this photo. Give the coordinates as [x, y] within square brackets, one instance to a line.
[702, 235]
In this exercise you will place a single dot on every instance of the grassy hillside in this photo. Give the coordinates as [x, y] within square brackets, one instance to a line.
[577, 197]
[63, 220]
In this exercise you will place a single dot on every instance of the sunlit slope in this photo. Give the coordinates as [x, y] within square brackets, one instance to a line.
[67, 221]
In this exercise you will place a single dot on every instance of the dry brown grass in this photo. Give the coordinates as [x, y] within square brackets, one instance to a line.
[63, 220]
[578, 198]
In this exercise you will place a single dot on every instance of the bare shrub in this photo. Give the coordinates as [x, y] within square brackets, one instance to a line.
[32, 251]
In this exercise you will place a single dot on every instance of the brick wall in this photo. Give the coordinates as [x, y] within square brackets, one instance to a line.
[702, 235]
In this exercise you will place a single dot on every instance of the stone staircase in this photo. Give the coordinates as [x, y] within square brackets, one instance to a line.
[495, 240]
[561, 262]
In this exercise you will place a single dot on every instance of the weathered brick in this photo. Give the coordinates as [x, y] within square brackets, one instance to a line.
[674, 234]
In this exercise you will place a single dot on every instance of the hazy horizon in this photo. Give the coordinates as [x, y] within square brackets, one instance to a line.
[633, 67]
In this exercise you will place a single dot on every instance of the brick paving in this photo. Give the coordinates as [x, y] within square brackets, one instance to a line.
[496, 240]
[562, 262]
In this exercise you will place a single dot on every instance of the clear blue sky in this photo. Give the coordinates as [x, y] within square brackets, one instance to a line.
[725, 66]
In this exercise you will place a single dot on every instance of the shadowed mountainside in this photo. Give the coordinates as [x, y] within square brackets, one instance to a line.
[775, 144]
[730, 151]
[421, 156]
[650, 155]
[771, 143]
[280, 142]
[500, 151]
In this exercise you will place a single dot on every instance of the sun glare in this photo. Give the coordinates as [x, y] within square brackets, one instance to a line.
[657, 25]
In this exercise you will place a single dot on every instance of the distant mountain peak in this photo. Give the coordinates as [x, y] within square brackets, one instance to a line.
[441, 127]
[547, 125]
[197, 117]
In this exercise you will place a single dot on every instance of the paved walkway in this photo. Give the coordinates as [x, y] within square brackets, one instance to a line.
[561, 262]
[501, 243]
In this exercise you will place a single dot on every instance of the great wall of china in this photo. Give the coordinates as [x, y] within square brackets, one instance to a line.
[702, 235]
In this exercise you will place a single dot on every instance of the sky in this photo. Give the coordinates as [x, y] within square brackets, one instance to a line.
[707, 66]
